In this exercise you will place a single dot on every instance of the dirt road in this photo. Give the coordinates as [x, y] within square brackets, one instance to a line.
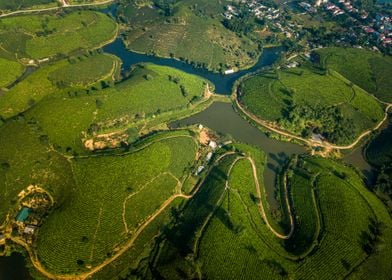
[311, 142]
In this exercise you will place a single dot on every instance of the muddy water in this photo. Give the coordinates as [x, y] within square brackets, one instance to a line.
[222, 118]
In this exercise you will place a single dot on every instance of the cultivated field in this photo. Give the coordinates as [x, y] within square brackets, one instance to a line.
[23, 4]
[112, 197]
[150, 93]
[78, 73]
[43, 36]
[305, 101]
[369, 70]
[26, 160]
[10, 71]
[193, 33]
[232, 241]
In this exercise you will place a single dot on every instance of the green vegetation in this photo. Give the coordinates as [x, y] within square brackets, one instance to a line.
[150, 93]
[23, 4]
[232, 241]
[53, 78]
[369, 70]
[25, 160]
[188, 30]
[115, 195]
[379, 150]
[38, 37]
[187, 227]
[135, 261]
[307, 220]
[307, 100]
[379, 154]
[10, 71]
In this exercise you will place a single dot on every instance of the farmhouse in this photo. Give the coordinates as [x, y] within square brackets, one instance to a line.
[29, 229]
[213, 145]
[199, 170]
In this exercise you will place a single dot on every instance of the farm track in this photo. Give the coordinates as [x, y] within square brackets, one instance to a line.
[311, 142]
[64, 5]
[262, 207]
[39, 267]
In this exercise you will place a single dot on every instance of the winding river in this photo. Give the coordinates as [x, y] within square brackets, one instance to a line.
[223, 83]
[220, 117]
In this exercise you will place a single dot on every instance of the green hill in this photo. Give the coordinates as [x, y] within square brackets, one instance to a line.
[152, 93]
[188, 30]
[233, 242]
[42, 36]
[305, 100]
[23, 4]
[369, 70]
[76, 73]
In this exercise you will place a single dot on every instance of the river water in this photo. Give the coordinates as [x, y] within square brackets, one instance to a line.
[220, 117]
[223, 83]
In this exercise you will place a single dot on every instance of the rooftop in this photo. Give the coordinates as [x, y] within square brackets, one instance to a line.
[23, 214]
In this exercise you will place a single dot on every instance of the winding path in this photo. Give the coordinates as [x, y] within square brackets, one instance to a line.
[261, 206]
[310, 142]
[37, 264]
[39, 267]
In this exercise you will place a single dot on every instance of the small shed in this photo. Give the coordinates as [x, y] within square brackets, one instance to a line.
[29, 229]
[199, 170]
[213, 145]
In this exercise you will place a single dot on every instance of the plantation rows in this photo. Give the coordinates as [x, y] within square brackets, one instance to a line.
[367, 69]
[203, 41]
[114, 108]
[182, 235]
[24, 160]
[56, 35]
[49, 80]
[235, 245]
[307, 224]
[139, 206]
[141, 249]
[305, 102]
[103, 185]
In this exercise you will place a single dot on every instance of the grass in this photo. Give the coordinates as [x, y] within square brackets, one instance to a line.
[235, 243]
[83, 72]
[38, 37]
[144, 97]
[307, 223]
[193, 29]
[103, 184]
[26, 160]
[303, 101]
[50, 80]
[369, 70]
[181, 235]
[10, 71]
[23, 4]
[133, 261]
